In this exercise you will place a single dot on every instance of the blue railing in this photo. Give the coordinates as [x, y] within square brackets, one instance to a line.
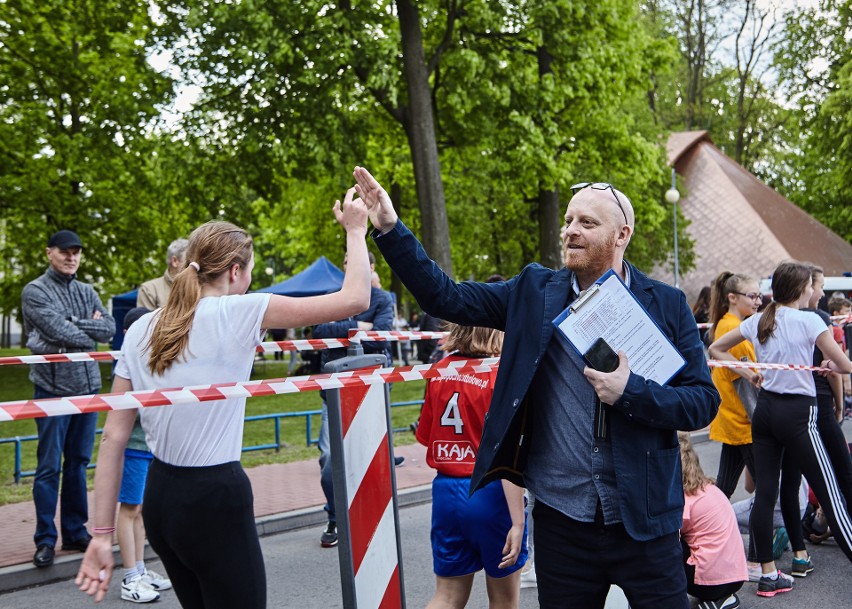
[276, 418]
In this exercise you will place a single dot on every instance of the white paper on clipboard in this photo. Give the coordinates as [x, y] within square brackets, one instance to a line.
[609, 310]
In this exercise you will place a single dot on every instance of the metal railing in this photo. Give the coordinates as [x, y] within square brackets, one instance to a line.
[275, 417]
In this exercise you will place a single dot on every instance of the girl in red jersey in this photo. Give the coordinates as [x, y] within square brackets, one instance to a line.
[488, 529]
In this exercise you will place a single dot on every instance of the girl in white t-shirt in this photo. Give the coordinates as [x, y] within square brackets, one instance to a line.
[785, 418]
[198, 501]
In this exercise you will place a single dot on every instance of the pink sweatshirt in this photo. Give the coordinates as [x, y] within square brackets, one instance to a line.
[710, 530]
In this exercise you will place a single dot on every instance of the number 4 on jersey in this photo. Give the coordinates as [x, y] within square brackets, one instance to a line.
[452, 416]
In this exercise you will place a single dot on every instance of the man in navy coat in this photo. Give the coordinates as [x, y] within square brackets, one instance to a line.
[598, 450]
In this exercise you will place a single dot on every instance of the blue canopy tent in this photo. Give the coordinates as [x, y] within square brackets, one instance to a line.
[322, 277]
[121, 304]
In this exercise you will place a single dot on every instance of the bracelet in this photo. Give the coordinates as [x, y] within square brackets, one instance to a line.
[103, 530]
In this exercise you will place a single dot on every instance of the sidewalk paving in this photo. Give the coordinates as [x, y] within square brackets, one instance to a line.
[286, 496]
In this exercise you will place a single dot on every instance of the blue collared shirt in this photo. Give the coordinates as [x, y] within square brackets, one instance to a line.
[568, 468]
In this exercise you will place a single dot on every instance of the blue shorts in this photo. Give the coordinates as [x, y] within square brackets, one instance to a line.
[136, 463]
[468, 533]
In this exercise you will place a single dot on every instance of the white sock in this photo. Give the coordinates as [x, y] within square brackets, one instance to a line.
[140, 567]
[773, 576]
[131, 573]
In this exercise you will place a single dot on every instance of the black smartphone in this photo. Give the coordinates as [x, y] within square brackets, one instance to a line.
[600, 356]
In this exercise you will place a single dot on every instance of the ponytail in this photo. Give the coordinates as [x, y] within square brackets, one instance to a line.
[725, 283]
[213, 248]
[789, 282]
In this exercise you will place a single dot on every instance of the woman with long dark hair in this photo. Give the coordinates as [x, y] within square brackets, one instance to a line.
[198, 501]
[785, 419]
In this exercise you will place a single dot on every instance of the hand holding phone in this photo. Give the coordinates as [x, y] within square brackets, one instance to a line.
[601, 357]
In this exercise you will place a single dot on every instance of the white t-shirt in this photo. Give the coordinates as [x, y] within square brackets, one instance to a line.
[792, 342]
[225, 332]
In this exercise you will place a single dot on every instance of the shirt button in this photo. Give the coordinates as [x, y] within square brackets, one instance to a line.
[595, 449]
[537, 360]
[597, 477]
[515, 403]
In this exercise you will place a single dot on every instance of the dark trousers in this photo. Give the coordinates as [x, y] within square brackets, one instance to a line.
[577, 562]
[732, 460]
[65, 446]
[788, 424]
[702, 592]
[200, 521]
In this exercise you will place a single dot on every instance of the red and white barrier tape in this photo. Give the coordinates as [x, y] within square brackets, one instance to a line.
[716, 363]
[309, 344]
[31, 409]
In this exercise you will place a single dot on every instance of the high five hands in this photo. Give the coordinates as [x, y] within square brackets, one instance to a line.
[379, 206]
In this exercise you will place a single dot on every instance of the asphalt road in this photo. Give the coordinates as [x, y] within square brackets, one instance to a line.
[303, 575]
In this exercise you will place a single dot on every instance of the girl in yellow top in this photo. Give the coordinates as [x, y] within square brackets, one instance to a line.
[733, 299]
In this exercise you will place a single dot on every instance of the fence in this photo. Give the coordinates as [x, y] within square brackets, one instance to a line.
[275, 417]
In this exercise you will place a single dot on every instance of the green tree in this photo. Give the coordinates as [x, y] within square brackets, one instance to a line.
[79, 101]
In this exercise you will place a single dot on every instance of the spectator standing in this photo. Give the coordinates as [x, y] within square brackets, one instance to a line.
[63, 315]
[609, 501]
[378, 316]
[154, 294]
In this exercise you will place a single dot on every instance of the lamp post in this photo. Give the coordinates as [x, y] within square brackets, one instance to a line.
[673, 196]
[270, 270]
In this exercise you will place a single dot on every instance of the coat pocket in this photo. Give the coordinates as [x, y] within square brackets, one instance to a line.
[664, 481]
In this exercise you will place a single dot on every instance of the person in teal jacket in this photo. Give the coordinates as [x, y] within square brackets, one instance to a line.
[609, 498]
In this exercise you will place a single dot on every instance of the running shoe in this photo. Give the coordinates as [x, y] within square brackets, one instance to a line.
[726, 602]
[802, 566]
[156, 581]
[136, 590]
[770, 587]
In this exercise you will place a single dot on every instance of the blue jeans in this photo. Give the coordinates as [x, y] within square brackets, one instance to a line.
[70, 436]
[325, 465]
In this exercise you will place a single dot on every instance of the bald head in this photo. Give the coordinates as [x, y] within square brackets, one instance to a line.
[613, 202]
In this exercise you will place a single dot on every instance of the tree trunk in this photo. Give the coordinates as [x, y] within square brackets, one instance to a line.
[549, 214]
[420, 128]
[549, 225]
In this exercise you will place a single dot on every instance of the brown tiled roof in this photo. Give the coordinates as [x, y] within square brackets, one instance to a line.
[740, 224]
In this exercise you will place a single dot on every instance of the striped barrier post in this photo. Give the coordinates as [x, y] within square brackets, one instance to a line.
[365, 495]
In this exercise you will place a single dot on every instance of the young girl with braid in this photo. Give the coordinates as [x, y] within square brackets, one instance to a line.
[198, 501]
[785, 419]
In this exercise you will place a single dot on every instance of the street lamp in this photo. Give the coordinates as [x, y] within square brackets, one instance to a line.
[673, 196]
[270, 270]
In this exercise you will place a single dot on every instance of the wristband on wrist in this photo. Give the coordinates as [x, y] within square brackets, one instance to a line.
[103, 530]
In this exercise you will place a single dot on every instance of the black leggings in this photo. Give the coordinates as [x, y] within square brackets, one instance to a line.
[789, 423]
[200, 522]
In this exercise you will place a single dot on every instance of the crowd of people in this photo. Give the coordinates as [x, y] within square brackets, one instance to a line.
[620, 497]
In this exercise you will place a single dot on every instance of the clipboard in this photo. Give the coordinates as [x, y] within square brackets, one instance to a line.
[609, 310]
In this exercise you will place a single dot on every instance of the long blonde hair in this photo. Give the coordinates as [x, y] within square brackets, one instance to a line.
[694, 478]
[473, 341]
[215, 247]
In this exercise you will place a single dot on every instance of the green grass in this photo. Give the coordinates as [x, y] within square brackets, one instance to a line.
[14, 385]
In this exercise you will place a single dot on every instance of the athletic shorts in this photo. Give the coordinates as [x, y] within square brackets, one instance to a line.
[133, 477]
[468, 533]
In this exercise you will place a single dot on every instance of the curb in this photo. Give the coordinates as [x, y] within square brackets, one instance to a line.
[17, 577]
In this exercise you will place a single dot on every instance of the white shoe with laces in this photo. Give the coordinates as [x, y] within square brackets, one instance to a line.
[156, 581]
[528, 578]
[136, 590]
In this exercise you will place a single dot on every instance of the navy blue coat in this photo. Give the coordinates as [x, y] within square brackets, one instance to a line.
[643, 423]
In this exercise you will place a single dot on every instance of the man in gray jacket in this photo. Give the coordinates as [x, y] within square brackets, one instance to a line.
[63, 315]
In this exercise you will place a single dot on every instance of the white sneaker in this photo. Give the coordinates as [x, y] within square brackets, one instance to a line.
[528, 579]
[754, 572]
[156, 581]
[138, 591]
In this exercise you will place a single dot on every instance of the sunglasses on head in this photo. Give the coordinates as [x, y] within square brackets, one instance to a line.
[600, 186]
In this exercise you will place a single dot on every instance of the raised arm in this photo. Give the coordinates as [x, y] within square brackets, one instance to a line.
[353, 297]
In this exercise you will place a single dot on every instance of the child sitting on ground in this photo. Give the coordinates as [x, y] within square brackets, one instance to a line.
[714, 557]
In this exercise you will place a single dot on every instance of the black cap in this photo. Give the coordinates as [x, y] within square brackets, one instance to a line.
[64, 239]
[133, 314]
